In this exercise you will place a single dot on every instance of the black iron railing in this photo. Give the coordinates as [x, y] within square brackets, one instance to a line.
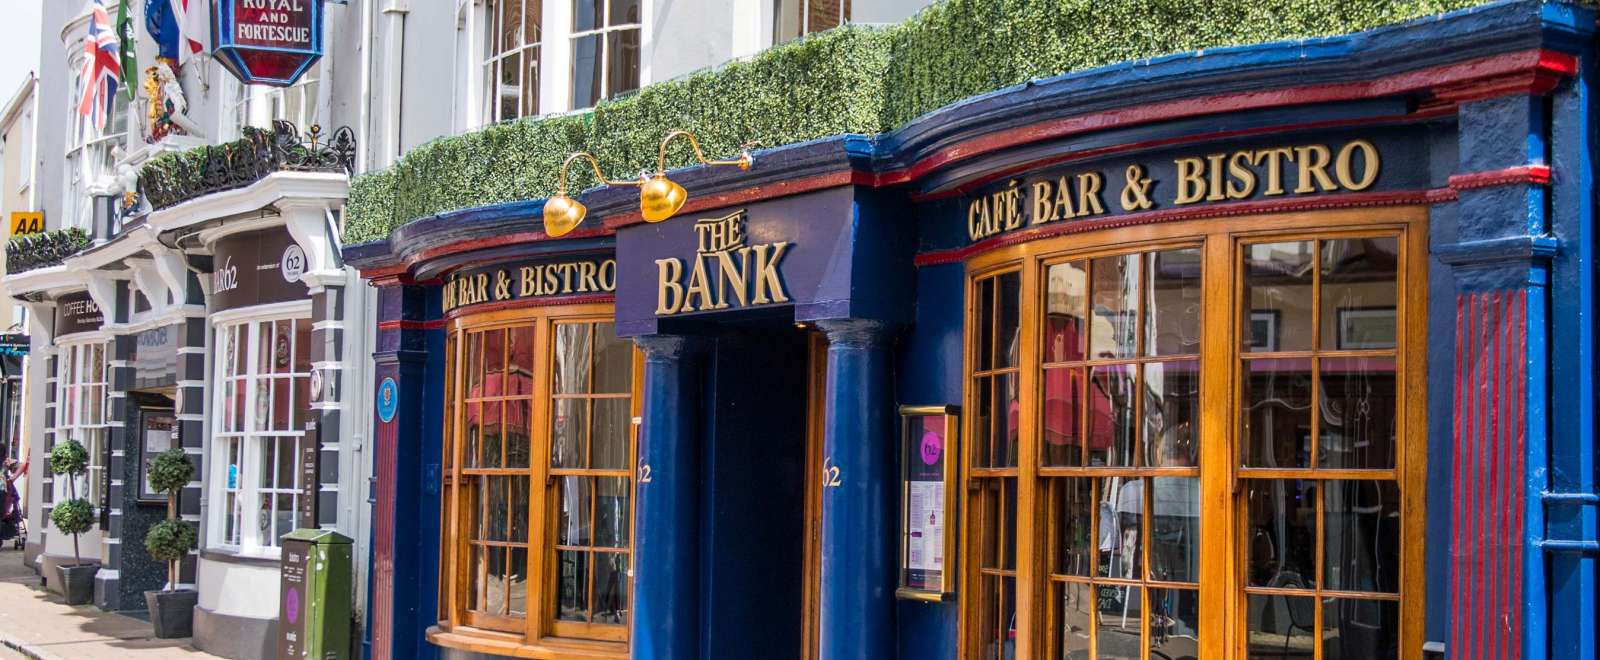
[25, 253]
[172, 179]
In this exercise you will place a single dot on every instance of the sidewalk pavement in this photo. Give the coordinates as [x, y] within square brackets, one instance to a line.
[36, 624]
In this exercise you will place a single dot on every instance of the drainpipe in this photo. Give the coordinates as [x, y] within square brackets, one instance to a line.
[394, 63]
[364, 119]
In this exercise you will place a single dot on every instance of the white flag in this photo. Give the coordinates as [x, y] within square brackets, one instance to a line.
[193, 28]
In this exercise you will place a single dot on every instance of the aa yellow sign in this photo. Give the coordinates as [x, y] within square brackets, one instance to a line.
[27, 222]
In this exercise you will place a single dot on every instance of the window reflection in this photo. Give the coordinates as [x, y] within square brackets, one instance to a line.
[584, 429]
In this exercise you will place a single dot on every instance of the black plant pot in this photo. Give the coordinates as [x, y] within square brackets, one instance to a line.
[172, 612]
[77, 583]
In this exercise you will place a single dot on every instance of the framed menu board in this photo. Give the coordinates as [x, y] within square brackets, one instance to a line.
[928, 465]
[158, 429]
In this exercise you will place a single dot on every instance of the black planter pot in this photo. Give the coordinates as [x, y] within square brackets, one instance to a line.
[77, 583]
[172, 612]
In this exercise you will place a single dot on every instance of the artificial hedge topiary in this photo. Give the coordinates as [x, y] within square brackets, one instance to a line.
[169, 540]
[74, 516]
[852, 79]
[69, 458]
[170, 471]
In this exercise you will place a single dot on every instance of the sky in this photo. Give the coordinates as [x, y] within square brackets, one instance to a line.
[19, 43]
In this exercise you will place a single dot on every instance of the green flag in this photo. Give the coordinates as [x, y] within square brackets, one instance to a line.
[127, 51]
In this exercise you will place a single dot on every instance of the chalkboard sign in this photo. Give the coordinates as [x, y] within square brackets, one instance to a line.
[927, 483]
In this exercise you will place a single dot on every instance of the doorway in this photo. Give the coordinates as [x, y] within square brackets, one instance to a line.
[760, 446]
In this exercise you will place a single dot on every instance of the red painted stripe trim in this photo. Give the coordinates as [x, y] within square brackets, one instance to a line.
[1525, 174]
[384, 531]
[531, 302]
[1457, 543]
[1496, 511]
[1519, 381]
[1317, 202]
[403, 324]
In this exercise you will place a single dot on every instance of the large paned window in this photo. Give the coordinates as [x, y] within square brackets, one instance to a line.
[539, 492]
[792, 19]
[81, 414]
[605, 49]
[511, 59]
[259, 105]
[263, 400]
[1227, 386]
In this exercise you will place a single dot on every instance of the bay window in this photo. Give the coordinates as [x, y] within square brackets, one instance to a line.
[538, 456]
[1230, 387]
[262, 401]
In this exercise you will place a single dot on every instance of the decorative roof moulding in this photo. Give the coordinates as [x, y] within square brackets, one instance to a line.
[1416, 71]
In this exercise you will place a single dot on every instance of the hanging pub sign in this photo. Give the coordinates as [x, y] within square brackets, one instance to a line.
[267, 42]
[927, 480]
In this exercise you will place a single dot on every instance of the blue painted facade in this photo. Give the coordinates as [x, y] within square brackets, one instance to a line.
[1485, 118]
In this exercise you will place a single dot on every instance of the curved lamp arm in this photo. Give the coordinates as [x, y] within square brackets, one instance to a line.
[743, 161]
[593, 164]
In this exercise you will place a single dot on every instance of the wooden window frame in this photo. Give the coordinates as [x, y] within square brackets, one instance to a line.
[538, 633]
[1223, 617]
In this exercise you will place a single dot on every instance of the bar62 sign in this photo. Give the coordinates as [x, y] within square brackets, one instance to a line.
[724, 272]
[268, 42]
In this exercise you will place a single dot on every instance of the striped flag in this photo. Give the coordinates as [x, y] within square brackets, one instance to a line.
[192, 28]
[102, 68]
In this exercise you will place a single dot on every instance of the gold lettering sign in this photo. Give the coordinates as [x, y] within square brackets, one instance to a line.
[724, 273]
[1217, 177]
[531, 281]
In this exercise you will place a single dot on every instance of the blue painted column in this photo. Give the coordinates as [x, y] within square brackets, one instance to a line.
[1500, 260]
[666, 563]
[858, 501]
[1571, 507]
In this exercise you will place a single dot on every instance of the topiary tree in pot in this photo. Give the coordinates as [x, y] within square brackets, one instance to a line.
[171, 610]
[74, 516]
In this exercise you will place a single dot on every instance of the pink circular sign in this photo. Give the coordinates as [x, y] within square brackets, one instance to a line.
[932, 447]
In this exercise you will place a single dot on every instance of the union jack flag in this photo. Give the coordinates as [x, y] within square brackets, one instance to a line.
[102, 68]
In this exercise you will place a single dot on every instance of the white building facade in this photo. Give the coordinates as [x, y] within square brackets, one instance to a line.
[215, 314]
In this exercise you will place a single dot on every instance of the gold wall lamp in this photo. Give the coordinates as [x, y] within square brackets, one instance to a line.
[563, 213]
[659, 197]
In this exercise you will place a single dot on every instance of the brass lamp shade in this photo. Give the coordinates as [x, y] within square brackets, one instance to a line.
[562, 214]
[660, 198]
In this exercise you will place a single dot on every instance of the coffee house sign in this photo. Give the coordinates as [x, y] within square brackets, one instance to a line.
[1220, 176]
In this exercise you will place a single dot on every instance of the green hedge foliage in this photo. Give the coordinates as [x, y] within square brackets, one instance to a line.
[69, 458]
[169, 540]
[170, 471]
[72, 516]
[852, 79]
